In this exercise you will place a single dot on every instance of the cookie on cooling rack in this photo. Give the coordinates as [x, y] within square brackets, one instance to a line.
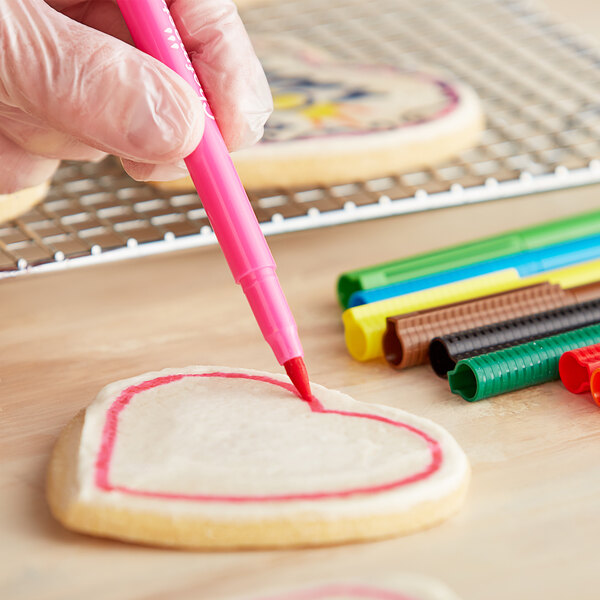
[214, 457]
[336, 122]
[14, 205]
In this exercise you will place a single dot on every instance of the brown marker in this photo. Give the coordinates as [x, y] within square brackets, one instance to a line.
[406, 340]
[583, 293]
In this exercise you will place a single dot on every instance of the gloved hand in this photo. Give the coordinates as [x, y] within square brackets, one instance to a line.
[71, 87]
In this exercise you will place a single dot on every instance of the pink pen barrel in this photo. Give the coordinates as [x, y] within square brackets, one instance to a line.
[243, 243]
[227, 206]
[223, 196]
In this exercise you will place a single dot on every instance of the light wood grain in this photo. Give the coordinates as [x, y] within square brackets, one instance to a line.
[531, 524]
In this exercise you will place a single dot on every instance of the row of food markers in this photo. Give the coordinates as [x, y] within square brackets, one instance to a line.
[494, 315]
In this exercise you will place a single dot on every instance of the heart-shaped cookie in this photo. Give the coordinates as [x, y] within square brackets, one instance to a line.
[216, 457]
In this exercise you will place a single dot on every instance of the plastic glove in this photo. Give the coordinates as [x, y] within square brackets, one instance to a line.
[72, 87]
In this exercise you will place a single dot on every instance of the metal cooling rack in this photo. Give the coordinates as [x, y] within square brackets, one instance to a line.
[539, 83]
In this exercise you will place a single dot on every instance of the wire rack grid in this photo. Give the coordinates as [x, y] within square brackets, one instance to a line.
[538, 80]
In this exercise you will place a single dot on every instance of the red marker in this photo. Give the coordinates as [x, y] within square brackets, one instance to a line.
[577, 366]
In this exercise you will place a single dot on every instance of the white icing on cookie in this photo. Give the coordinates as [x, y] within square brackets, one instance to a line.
[316, 97]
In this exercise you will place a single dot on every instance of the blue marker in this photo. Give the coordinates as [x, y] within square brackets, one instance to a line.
[530, 262]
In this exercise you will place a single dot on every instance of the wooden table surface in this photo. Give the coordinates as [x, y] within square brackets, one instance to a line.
[531, 524]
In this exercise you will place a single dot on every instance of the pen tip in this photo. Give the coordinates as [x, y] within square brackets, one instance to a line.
[296, 370]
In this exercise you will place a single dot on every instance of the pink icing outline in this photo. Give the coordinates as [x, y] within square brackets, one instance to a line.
[109, 436]
[342, 589]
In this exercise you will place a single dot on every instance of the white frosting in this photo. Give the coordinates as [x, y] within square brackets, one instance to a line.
[318, 98]
[238, 437]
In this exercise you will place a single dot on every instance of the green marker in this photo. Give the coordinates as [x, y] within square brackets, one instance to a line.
[517, 367]
[470, 253]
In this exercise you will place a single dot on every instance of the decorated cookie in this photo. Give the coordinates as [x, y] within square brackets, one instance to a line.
[213, 457]
[399, 586]
[14, 205]
[336, 122]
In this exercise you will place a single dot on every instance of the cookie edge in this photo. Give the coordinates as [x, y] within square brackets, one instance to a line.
[18, 203]
[183, 531]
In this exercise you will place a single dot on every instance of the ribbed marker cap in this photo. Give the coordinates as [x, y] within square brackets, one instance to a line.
[516, 367]
[406, 341]
[445, 351]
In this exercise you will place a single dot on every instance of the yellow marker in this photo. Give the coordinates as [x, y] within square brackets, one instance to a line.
[365, 325]
[568, 277]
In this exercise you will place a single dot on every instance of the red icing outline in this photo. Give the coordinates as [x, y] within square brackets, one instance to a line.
[109, 435]
[342, 589]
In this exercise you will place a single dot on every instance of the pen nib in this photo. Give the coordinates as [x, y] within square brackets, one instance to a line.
[296, 370]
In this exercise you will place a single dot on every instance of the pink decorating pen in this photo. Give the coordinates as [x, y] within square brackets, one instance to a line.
[223, 196]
